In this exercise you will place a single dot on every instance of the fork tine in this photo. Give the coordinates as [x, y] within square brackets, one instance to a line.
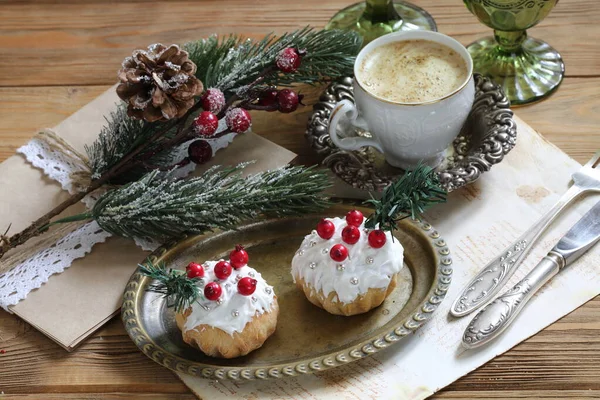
[593, 160]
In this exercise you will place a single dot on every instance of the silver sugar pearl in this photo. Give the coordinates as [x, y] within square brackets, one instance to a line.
[268, 290]
[314, 232]
[251, 274]
[313, 243]
[300, 252]
[228, 285]
[312, 265]
[219, 301]
[254, 299]
[370, 260]
[340, 267]
[235, 313]
[207, 308]
[354, 281]
[238, 277]
[325, 250]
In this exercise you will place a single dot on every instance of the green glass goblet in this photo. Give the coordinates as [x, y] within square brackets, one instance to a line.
[374, 18]
[528, 69]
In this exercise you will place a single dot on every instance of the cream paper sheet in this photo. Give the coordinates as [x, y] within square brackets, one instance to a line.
[478, 222]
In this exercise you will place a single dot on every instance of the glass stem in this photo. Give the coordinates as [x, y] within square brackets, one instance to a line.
[381, 11]
[510, 41]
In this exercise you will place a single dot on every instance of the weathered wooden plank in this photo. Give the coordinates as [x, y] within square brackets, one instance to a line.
[82, 43]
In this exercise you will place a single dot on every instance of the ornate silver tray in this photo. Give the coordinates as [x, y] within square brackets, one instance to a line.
[488, 135]
[307, 339]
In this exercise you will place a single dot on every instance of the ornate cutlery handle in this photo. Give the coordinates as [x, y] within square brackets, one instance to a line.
[497, 316]
[482, 288]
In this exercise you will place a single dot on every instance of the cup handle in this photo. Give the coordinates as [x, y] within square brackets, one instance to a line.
[347, 108]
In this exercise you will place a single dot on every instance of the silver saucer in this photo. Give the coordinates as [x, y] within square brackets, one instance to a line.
[488, 135]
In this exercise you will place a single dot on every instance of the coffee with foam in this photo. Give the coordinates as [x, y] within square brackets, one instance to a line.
[412, 71]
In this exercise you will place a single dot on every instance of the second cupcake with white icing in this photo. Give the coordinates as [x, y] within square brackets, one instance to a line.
[345, 268]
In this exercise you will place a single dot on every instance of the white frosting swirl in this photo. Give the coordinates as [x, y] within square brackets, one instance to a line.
[235, 310]
[365, 267]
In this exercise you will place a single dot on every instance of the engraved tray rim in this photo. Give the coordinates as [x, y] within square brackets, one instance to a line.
[495, 140]
[378, 340]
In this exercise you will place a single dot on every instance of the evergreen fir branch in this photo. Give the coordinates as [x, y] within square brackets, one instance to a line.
[158, 206]
[181, 292]
[409, 196]
[118, 137]
[232, 62]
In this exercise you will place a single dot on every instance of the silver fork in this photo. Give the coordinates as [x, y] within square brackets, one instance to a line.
[487, 283]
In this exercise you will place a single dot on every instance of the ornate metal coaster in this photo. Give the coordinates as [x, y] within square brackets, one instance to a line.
[488, 135]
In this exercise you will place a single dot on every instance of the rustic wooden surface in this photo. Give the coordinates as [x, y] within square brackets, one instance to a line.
[57, 56]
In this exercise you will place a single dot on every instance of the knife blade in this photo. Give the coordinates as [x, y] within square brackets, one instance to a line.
[494, 318]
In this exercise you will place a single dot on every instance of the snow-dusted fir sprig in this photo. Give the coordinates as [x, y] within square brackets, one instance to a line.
[236, 61]
[160, 207]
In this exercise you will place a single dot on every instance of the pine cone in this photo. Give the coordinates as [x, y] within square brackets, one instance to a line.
[158, 83]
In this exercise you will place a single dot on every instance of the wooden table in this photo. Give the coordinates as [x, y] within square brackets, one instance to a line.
[57, 56]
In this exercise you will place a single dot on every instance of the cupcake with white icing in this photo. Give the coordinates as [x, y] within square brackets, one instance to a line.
[345, 268]
[237, 311]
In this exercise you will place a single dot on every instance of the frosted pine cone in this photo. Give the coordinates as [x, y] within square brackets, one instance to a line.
[158, 83]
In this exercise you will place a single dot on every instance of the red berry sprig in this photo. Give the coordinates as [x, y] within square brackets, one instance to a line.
[377, 238]
[213, 100]
[238, 257]
[338, 253]
[325, 229]
[350, 234]
[206, 124]
[194, 270]
[289, 59]
[212, 291]
[288, 100]
[268, 99]
[354, 218]
[238, 120]
[222, 269]
[246, 286]
[199, 151]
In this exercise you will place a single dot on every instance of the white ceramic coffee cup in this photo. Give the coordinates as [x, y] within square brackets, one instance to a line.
[406, 133]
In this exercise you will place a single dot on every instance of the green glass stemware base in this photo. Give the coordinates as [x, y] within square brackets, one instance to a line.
[527, 74]
[411, 18]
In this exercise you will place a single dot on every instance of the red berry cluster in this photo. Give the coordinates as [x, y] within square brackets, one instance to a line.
[199, 151]
[238, 119]
[350, 235]
[238, 258]
[284, 100]
[289, 59]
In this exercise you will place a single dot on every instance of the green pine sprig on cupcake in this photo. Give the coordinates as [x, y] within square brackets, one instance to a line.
[409, 196]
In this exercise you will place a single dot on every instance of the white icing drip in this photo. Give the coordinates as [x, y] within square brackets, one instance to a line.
[327, 277]
[222, 316]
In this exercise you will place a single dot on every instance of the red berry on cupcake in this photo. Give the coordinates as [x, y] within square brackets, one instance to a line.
[325, 229]
[194, 270]
[246, 286]
[238, 257]
[212, 291]
[377, 238]
[350, 234]
[222, 269]
[354, 218]
[338, 253]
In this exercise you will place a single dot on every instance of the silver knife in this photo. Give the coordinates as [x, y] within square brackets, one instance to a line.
[494, 318]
